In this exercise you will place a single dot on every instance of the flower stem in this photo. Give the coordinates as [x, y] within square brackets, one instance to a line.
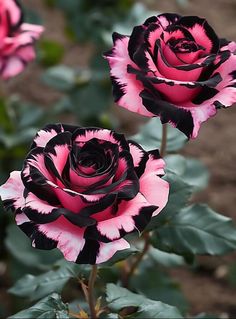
[163, 140]
[139, 258]
[91, 283]
[146, 236]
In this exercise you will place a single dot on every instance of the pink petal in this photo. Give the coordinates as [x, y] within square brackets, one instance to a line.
[69, 237]
[170, 72]
[123, 220]
[107, 250]
[13, 10]
[13, 67]
[85, 135]
[128, 88]
[178, 93]
[137, 153]
[13, 190]
[38, 205]
[33, 29]
[43, 136]
[154, 189]
[226, 96]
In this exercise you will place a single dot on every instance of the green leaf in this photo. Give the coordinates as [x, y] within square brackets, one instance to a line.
[50, 53]
[150, 136]
[119, 298]
[138, 13]
[153, 282]
[60, 77]
[18, 244]
[87, 108]
[196, 229]
[120, 255]
[179, 195]
[196, 174]
[37, 287]
[50, 307]
[21, 138]
[191, 170]
[5, 118]
[166, 259]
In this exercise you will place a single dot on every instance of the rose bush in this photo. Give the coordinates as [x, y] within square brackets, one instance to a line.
[173, 67]
[16, 39]
[83, 189]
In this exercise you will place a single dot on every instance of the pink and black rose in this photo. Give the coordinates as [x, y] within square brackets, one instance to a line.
[16, 39]
[83, 189]
[173, 67]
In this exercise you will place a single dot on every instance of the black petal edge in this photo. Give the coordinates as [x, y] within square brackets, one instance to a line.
[190, 21]
[58, 127]
[38, 239]
[142, 164]
[168, 112]
[141, 220]
[89, 253]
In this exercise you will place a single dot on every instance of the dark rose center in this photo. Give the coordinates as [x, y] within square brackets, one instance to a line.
[183, 45]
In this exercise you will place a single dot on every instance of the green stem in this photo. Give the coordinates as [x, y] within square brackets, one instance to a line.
[139, 258]
[146, 236]
[163, 140]
[91, 283]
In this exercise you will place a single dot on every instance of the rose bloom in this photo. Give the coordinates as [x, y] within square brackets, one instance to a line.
[83, 189]
[16, 39]
[173, 67]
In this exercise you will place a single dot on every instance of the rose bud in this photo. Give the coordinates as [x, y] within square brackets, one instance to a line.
[173, 67]
[83, 189]
[16, 39]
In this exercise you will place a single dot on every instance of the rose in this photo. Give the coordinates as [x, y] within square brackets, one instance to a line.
[16, 39]
[173, 67]
[83, 189]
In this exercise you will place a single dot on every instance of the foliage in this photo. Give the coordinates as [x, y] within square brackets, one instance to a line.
[150, 136]
[49, 307]
[118, 298]
[179, 233]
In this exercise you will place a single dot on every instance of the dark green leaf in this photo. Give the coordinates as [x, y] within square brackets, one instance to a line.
[50, 53]
[196, 230]
[150, 136]
[180, 193]
[121, 255]
[87, 108]
[166, 259]
[50, 307]
[191, 170]
[37, 287]
[196, 174]
[119, 298]
[18, 244]
[153, 282]
[60, 77]
[137, 14]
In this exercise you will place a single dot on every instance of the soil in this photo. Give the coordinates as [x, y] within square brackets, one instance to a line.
[206, 290]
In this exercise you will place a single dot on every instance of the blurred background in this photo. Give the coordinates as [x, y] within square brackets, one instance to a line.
[69, 82]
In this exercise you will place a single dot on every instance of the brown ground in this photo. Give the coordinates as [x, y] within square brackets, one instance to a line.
[215, 145]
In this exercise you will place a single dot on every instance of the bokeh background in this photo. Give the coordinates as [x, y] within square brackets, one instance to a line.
[69, 82]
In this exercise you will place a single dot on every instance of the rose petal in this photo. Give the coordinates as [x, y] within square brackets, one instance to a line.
[107, 250]
[82, 135]
[154, 188]
[126, 88]
[131, 215]
[202, 32]
[12, 192]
